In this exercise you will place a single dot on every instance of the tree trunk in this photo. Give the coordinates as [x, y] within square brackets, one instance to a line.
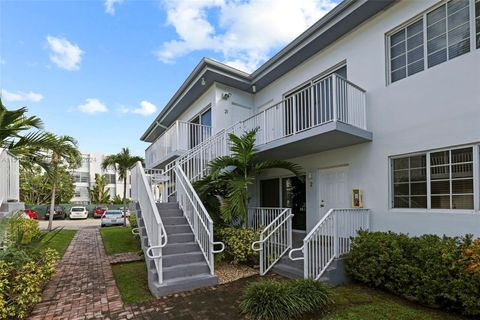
[125, 201]
[52, 206]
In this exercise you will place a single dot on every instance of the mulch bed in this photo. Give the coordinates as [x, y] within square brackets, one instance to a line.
[124, 257]
[219, 302]
[228, 272]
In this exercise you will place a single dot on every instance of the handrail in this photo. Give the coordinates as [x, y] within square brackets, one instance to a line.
[329, 239]
[197, 217]
[156, 233]
[275, 240]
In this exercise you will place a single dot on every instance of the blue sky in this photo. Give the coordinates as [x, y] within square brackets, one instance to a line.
[101, 71]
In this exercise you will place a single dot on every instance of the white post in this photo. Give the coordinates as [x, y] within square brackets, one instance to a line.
[334, 96]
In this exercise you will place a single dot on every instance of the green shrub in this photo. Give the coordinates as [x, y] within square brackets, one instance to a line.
[273, 300]
[428, 269]
[22, 232]
[22, 278]
[238, 244]
[132, 219]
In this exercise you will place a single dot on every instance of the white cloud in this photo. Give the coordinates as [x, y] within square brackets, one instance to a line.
[245, 33]
[145, 109]
[92, 106]
[110, 6]
[21, 96]
[64, 54]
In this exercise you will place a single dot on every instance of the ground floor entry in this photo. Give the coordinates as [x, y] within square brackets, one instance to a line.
[287, 192]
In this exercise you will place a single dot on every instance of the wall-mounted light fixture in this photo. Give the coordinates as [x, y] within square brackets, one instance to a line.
[254, 88]
[203, 81]
[226, 95]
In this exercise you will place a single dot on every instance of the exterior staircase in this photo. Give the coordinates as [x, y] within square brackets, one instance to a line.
[184, 265]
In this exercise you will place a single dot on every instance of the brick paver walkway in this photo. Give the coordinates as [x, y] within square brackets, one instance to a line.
[83, 286]
[124, 257]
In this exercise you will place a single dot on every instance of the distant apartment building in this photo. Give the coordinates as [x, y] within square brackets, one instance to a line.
[84, 178]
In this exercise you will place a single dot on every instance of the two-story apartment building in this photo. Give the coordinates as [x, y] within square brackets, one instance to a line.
[84, 178]
[378, 100]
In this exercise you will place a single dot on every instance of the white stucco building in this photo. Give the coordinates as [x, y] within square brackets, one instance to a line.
[84, 177]
[380, 97]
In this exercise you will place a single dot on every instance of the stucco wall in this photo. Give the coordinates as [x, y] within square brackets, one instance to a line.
[436, 108]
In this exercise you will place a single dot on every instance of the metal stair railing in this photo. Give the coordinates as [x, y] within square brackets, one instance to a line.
[330, 239]
[275, 240]
[197, 216]
[156, 234]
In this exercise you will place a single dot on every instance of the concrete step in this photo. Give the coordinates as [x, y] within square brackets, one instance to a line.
[181, 238]
[182, 258]
[182, 228]
[176, 248]
[170, 213]
[183, 284]
[167, 205]
[288, 271]
[172, 221]
[185, 270]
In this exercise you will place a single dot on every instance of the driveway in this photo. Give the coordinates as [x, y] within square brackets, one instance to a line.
[73, 224]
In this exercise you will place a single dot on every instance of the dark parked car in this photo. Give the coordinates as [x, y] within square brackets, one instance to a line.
[99, 211]
[58, 213]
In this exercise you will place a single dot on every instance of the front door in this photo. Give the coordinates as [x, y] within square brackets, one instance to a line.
[333, 192]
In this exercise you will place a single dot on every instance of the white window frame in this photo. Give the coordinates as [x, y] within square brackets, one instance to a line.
[476, 182]
[423, 16]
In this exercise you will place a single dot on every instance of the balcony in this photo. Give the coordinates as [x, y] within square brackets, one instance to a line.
[178, 138]
[328, 114]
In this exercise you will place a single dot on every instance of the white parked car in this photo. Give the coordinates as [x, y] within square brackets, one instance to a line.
[78, 213]
[112, 218]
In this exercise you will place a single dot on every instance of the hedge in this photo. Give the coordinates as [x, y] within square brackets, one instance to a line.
[238, 245]
[434, 271]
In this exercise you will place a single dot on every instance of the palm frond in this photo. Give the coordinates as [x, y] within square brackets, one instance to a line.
[278, 164]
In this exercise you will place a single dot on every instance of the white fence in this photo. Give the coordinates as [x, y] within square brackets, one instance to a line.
[260, 217]
[157, 236]
[275, 240]
[179, 137]
[330, 239]
[197, 216]
[9, 177]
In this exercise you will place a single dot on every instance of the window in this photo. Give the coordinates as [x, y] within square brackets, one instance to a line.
[477, 22]
[406, 51]
[452, 179]
[81, 177]
[443, 34]
[449, 173]
[110, 178]
[410, 182]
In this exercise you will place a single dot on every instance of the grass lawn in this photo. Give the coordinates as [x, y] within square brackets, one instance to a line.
[58, 240]
[355, 302]
[119, 239]
[132, 282]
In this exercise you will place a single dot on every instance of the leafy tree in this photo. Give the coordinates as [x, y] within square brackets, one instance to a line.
[118, 200]
[121, 163]
[22, 135]
[62, 149]
[100, 193]
[36, 187]
[230, 176]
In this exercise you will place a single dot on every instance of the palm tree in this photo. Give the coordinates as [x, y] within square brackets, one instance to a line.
[16, 135]
[61, 149]
[121, 163]
[99, 193]
[230, 176]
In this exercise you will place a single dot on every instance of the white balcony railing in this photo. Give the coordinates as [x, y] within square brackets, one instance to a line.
[9, 177]
[178, 138]
[330, 99]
